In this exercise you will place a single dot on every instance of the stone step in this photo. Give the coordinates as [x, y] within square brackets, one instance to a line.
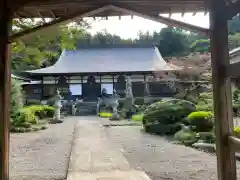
[86, 108]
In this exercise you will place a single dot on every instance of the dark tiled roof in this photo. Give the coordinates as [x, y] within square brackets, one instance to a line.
[108, 60]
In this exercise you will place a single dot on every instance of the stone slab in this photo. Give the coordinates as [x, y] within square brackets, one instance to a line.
[113, 175]
[95, 157]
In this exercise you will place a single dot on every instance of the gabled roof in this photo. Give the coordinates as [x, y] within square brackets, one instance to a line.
[108, 60]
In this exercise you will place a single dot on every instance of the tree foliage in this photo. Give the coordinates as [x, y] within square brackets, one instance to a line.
[203, 44]
[17, 97]
[42, 49]
[172, 41]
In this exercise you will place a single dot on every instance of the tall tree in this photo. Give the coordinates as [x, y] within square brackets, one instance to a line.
[173, 41]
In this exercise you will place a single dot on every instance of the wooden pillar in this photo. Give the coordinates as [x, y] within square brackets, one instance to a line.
[113, 82]
[5, 87]
[226, 161]
[42, 89]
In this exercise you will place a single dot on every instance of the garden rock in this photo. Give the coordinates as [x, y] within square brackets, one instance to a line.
[207, 147]
[55, 121]
[115, 117]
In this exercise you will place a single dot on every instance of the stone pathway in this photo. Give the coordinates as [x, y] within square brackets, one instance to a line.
[94, 157]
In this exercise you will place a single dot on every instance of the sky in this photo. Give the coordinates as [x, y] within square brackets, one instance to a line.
[129, 28]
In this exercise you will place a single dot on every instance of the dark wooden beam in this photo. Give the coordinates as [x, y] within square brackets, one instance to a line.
[63, 20]
[164, 20]
[222, 95]
[5, 87]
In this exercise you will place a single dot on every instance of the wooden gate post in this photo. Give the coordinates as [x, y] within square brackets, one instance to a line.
[226, 161]
[5, 87]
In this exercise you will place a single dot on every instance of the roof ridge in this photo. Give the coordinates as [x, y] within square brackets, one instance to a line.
[111, 46]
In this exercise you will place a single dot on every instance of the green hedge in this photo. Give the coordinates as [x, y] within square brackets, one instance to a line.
[32, 115]
[42, 111]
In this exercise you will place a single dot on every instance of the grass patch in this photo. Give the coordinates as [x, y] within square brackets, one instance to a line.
[105, 114]
[137, 117]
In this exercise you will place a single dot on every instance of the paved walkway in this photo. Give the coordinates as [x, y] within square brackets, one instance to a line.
[94, 157]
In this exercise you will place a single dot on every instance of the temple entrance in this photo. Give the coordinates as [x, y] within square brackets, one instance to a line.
[120, 85]
[91, 90]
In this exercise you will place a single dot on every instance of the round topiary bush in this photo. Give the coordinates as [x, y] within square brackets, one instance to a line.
[165, 117]
[168, 112]
[201, 121]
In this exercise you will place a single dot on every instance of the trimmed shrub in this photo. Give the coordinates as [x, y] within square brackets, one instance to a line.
[202, 106]
[202, 121]
[42, 111]
[185, 96]
[137, 117]
[205, 97]
[236, 108]
[168, 111]
[31, 115]
[236, 94]
[185, 137]
[237, 131]
[205, 102]
[49, 111]
[37, 110]
[25, 124]
[16, 100]
[105, 114]
[207, 137]
[33, 102]
[163, 129]
[25, 115]
[139, 101]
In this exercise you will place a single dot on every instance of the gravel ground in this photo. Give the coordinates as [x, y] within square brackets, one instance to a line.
[160, 159]
[42, 155]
